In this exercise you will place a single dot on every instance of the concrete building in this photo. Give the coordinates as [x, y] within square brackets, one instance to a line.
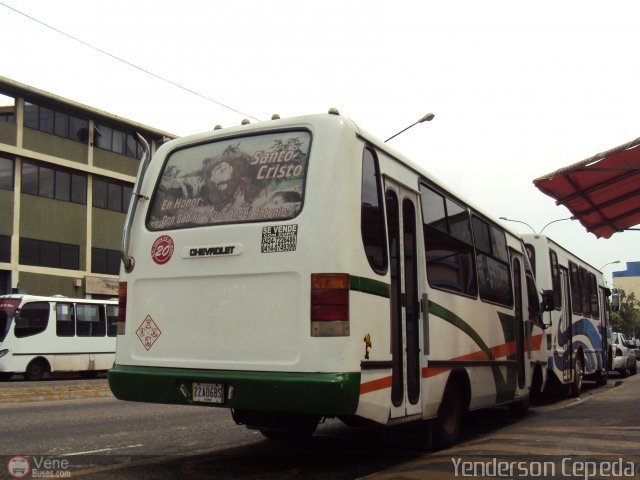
[629, 279]
[66, 175]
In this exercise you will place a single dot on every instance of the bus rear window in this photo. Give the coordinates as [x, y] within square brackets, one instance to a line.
[243, 179]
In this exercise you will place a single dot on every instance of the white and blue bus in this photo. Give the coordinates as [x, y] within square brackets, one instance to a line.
[41, 335]
[575, 346]
[299, 269]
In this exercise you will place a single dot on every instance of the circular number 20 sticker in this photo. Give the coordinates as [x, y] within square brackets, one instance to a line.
[162, 249]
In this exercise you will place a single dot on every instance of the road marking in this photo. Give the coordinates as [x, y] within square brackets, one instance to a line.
[100, 450]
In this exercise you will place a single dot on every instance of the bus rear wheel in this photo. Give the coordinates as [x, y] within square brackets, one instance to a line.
[36, 370]
[449, 421]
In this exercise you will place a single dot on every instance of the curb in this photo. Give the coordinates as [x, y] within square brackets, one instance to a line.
[48, 393]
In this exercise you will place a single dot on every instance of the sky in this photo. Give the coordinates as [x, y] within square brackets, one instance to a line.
[518, 89]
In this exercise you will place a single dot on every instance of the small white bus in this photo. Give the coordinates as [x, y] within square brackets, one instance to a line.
[299, 269]
[575, 345]
[41, 335]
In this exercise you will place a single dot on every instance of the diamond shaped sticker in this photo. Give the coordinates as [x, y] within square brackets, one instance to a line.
[148, 332]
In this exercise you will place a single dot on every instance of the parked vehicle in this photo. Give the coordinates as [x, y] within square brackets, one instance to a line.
[361, 289]
[574, 345]
[41, 335]
[624, 358]
[634, 344]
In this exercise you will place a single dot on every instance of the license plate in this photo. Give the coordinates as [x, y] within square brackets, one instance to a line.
[208, 392]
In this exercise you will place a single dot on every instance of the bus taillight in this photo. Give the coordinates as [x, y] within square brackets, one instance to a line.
[329, 304]
[122, 307]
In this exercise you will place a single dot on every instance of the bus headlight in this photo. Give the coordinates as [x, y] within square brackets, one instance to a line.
[3, 352]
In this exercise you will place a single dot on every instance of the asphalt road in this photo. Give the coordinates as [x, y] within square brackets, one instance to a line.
[105, 438]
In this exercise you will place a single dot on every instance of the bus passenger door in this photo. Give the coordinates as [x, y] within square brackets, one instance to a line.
[405, 306]
[564, 336]
[523, 339]
[604, 322]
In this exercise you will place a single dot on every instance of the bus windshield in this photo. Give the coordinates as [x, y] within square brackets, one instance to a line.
[7, 313]
[243, 179]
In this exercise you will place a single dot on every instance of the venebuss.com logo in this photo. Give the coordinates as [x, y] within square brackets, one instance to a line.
[18, 467]
[38, 467]
[162, 249]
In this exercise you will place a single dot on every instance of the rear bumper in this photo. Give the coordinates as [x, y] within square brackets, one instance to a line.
[621, 363]
[327, 394]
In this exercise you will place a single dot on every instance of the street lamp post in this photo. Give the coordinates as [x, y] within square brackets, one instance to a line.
[525, 223]
[517, 221]
[610, 263]
[427, 118]
[558, 220]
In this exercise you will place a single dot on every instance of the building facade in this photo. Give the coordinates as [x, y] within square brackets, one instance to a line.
[629, 279]
[66, 176]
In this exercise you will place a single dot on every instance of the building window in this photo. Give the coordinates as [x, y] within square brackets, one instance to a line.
[54, 183]
[117, 141]
[111, 195]
[49, 254]
[7, 109]
[55, 122]
[105, 261]
[5, 248]
[6, 173]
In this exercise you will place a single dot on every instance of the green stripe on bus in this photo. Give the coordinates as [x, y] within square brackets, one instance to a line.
[318, 393]
[368, 285]
[505, 389]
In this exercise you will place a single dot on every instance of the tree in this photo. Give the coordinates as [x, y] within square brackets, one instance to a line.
[627, 318]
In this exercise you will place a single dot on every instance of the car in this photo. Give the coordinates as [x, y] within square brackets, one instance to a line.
[624, 357]
[636, 347]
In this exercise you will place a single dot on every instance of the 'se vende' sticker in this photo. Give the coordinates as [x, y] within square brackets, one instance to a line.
[279, 238]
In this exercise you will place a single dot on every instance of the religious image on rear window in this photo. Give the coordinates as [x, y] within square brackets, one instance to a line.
[244, 179]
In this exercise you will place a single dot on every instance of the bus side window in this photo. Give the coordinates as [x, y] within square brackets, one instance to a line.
[593, 297]
[65, 326]
[90, 321]
[112, 320]
[533, 299]
[449, 247]
[576, 296]
[555, 279]
[492, 263]
[34, 318]
[372, 214]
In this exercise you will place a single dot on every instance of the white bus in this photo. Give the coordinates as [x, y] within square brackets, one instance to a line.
[300, 268]
[41, 335]
[575, 346]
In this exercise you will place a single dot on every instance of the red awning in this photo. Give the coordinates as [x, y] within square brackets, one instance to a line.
[602, 192]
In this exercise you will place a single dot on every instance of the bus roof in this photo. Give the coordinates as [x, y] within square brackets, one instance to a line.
[317, 120]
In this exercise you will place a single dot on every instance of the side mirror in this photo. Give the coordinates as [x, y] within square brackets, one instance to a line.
[548, 303]
[615, 301]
